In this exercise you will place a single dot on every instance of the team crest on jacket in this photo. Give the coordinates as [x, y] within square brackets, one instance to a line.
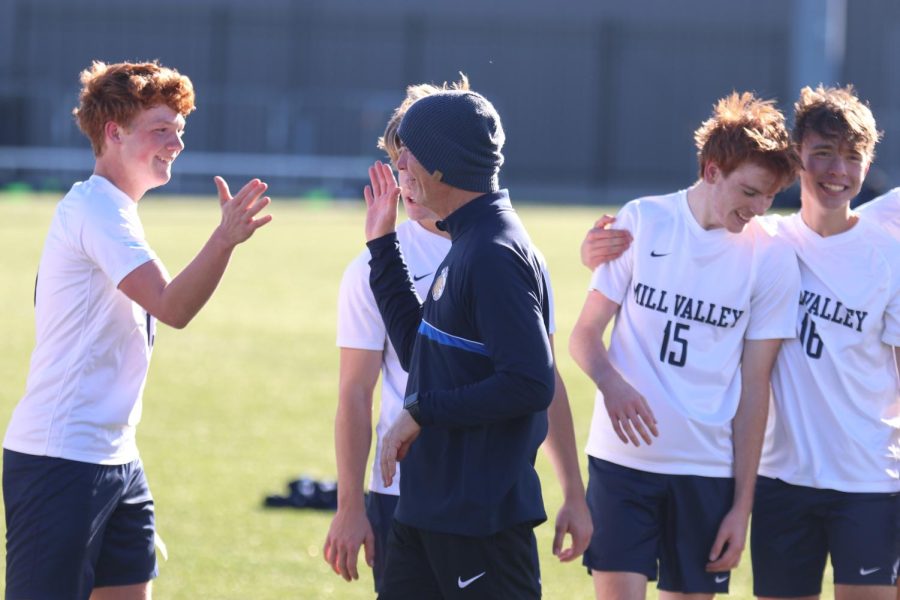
[437, 290]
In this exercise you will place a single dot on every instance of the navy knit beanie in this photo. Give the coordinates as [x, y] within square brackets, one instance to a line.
[457, 136]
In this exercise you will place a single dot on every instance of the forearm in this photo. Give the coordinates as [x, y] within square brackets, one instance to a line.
[184, 296]
[560, 443]
[395, 295]
[749, 427]
[352, 441]
[590, 354]
[749, 424]
[501, 397]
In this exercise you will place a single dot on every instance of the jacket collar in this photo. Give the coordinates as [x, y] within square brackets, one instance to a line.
[468, 215]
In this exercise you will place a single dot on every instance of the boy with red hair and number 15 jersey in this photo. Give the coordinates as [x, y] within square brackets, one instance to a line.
[701, 299]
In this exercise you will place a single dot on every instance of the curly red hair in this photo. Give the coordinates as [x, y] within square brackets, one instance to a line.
[118, 92]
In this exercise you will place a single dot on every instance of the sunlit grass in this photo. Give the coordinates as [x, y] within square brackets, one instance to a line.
[243, 399]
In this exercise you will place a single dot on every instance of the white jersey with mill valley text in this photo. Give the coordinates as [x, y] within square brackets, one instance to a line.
[688, 298]
[360, 325]
[93, 344]
[836, 400]
[884, 211]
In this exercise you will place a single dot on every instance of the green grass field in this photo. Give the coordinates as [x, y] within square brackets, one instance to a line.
[243, 400]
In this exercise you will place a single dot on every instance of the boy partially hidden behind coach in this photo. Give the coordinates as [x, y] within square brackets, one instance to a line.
[701, 300]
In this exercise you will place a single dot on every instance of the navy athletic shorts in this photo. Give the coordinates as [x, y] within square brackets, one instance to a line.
[428, 564]
[73, 526]
[380, 510]
[660, 526]
[794, 528]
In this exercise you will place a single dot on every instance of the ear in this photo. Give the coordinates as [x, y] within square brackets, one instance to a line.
[112, 132]
[711, 172]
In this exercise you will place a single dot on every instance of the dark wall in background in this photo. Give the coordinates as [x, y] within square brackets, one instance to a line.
[596, 97]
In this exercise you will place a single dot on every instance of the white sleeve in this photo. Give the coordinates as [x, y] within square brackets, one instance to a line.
[776, 292]
[891, 334]
[613, 279]
[884, 211]
[359, 324]
[113, 239]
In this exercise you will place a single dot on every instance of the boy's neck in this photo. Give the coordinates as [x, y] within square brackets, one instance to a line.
[828, 221]
[699, 202]
[112, 171]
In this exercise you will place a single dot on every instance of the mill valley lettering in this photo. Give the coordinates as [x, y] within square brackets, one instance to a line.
[832, 310]
[685, 307]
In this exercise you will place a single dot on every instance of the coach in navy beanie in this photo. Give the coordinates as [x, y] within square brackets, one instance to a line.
[457, 136]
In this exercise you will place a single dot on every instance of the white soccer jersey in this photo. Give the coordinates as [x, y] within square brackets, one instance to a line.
[688, 298]
[93, 344]
[360, 325]
[835, 386]
[884, 211]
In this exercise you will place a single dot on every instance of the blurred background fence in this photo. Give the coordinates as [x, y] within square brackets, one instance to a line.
[599, 98]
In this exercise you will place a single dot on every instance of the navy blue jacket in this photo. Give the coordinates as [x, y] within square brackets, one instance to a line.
[479, 358]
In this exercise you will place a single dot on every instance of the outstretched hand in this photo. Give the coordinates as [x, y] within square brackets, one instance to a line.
[239, 220]
[602, 244]
[381, 201]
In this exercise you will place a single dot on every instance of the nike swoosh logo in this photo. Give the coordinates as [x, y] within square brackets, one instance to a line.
[865, 572]
[421, 277]
[656, 254]
[464, 584]
[721, 578]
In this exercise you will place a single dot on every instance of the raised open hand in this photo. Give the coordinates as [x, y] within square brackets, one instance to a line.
[381, 201]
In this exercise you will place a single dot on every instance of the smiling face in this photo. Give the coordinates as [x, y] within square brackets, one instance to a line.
[746, 192]
[148, 146]
[833, 171]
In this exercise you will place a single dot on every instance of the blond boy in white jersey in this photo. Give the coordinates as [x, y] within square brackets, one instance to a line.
[702, 300]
